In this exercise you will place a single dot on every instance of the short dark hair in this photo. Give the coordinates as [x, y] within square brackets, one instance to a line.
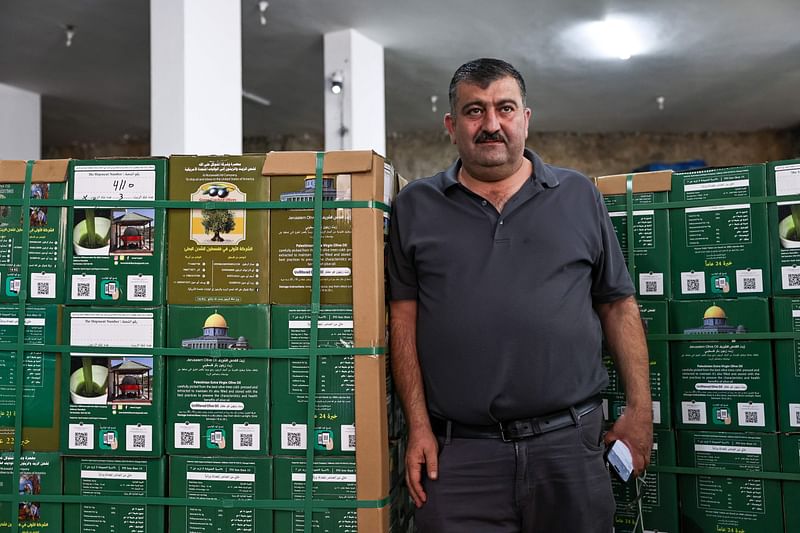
[482, 72]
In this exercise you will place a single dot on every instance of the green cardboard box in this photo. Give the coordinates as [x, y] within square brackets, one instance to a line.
[654, 319]
[123, 413]
[659, 493]
[41, 399]
[783, 179]
[218, 405]
[711, 503]
[39, 474]
[122, 262]
[348, 175]
[45, 242]
[220, 478]
[720, 251]
[790, 462]
[334, 479]
[651, 252]
[786, 314]
[722, 385]
[218, 256]
[334, 424]
[114, 477]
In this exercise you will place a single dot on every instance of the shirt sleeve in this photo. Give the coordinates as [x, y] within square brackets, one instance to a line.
[610, 278]
[402, 271]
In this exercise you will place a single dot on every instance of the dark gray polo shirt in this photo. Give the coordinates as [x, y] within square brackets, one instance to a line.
[506, 327]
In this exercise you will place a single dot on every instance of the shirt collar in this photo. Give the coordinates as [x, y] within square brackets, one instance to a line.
[542, 173]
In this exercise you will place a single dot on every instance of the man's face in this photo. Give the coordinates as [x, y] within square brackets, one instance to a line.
[489, 126]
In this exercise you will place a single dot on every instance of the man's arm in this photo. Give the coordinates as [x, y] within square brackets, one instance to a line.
[622, 327]
[422, 445]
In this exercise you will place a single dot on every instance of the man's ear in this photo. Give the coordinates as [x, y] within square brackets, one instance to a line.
[450, 124]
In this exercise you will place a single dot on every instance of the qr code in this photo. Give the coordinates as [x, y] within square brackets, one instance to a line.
[749, 284]
[722, 414]
[650, 286]
[751, 417]
[692, 285]
[42, 288]
[294, 439]
[139, 441]
[139, 290]
[111, 289]
[187, 438]
[794, 280]
[84, 289]
[693, 415]
[80, 439]
[245, 440]
[797, 418]
[351, 441]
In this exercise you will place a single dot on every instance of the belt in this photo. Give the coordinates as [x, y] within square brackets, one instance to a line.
[516, 429]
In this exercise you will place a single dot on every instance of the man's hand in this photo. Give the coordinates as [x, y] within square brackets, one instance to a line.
[423, 451]
[635, 429]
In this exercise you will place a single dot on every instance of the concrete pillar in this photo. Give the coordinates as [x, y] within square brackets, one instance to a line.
[355, 119]
[196, 77]
[21, 123]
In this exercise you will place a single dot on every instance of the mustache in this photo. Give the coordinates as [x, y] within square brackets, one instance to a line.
[485, 136]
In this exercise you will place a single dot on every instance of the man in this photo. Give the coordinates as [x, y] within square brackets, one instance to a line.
[502, 271]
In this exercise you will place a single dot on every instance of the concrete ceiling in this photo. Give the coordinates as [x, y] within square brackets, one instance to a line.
[721, 65]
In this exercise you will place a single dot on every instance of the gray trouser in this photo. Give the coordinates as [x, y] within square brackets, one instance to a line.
[552, 482]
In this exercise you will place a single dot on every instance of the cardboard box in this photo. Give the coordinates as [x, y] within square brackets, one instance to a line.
[722, 385]
[114, 477]
[123, 414]
[39, 474]
[334, 479]
[220, 478]
[786, 313]
[651, 249]
[218, 256]
[369, 313]
[720, 251]
[783, 179]
[790, 463]
[347, 176]
[720, 503]
[659, 493]
[218, 405]
[654, 319]
[44, 243]
[124, 263]
[334, 425]
[41, 379]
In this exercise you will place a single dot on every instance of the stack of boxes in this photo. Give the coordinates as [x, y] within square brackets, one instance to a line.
[217, 427]
[729, 397]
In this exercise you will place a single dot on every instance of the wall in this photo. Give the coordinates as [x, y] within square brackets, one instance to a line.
[426, 152]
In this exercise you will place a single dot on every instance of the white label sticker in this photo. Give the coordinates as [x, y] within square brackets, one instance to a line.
[790, 277]
[348, 438]
[133, 330]
[651, 284]
[81, 437]
[787, 180]
[749, 280]
[84, 286]
[794, 415]
[246, 437]
[293, 436]
[139, 438]
[140, 288]
[43, 285]
[187, 436]
[693, 282]
[114, 182]
[605, 409]
[693, 413]
[656, 412]
[751, 414]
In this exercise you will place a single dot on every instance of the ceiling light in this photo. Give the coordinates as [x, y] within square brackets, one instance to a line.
[256, 99]
[434, 99]
[337, 82]
[69, 33]
[262, 11]
[613, 37]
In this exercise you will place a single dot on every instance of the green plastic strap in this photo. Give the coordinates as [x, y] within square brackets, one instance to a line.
[629, 219]
[313, 341]
[185, 204]
[746, 336]
[683, 204]
[722, 472]
[259, 353]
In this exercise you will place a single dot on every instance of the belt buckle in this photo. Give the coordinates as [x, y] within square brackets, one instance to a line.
[503, 433]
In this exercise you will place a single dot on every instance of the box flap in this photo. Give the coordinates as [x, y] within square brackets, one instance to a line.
[305, 163]
[656, 181]
[44, 171]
